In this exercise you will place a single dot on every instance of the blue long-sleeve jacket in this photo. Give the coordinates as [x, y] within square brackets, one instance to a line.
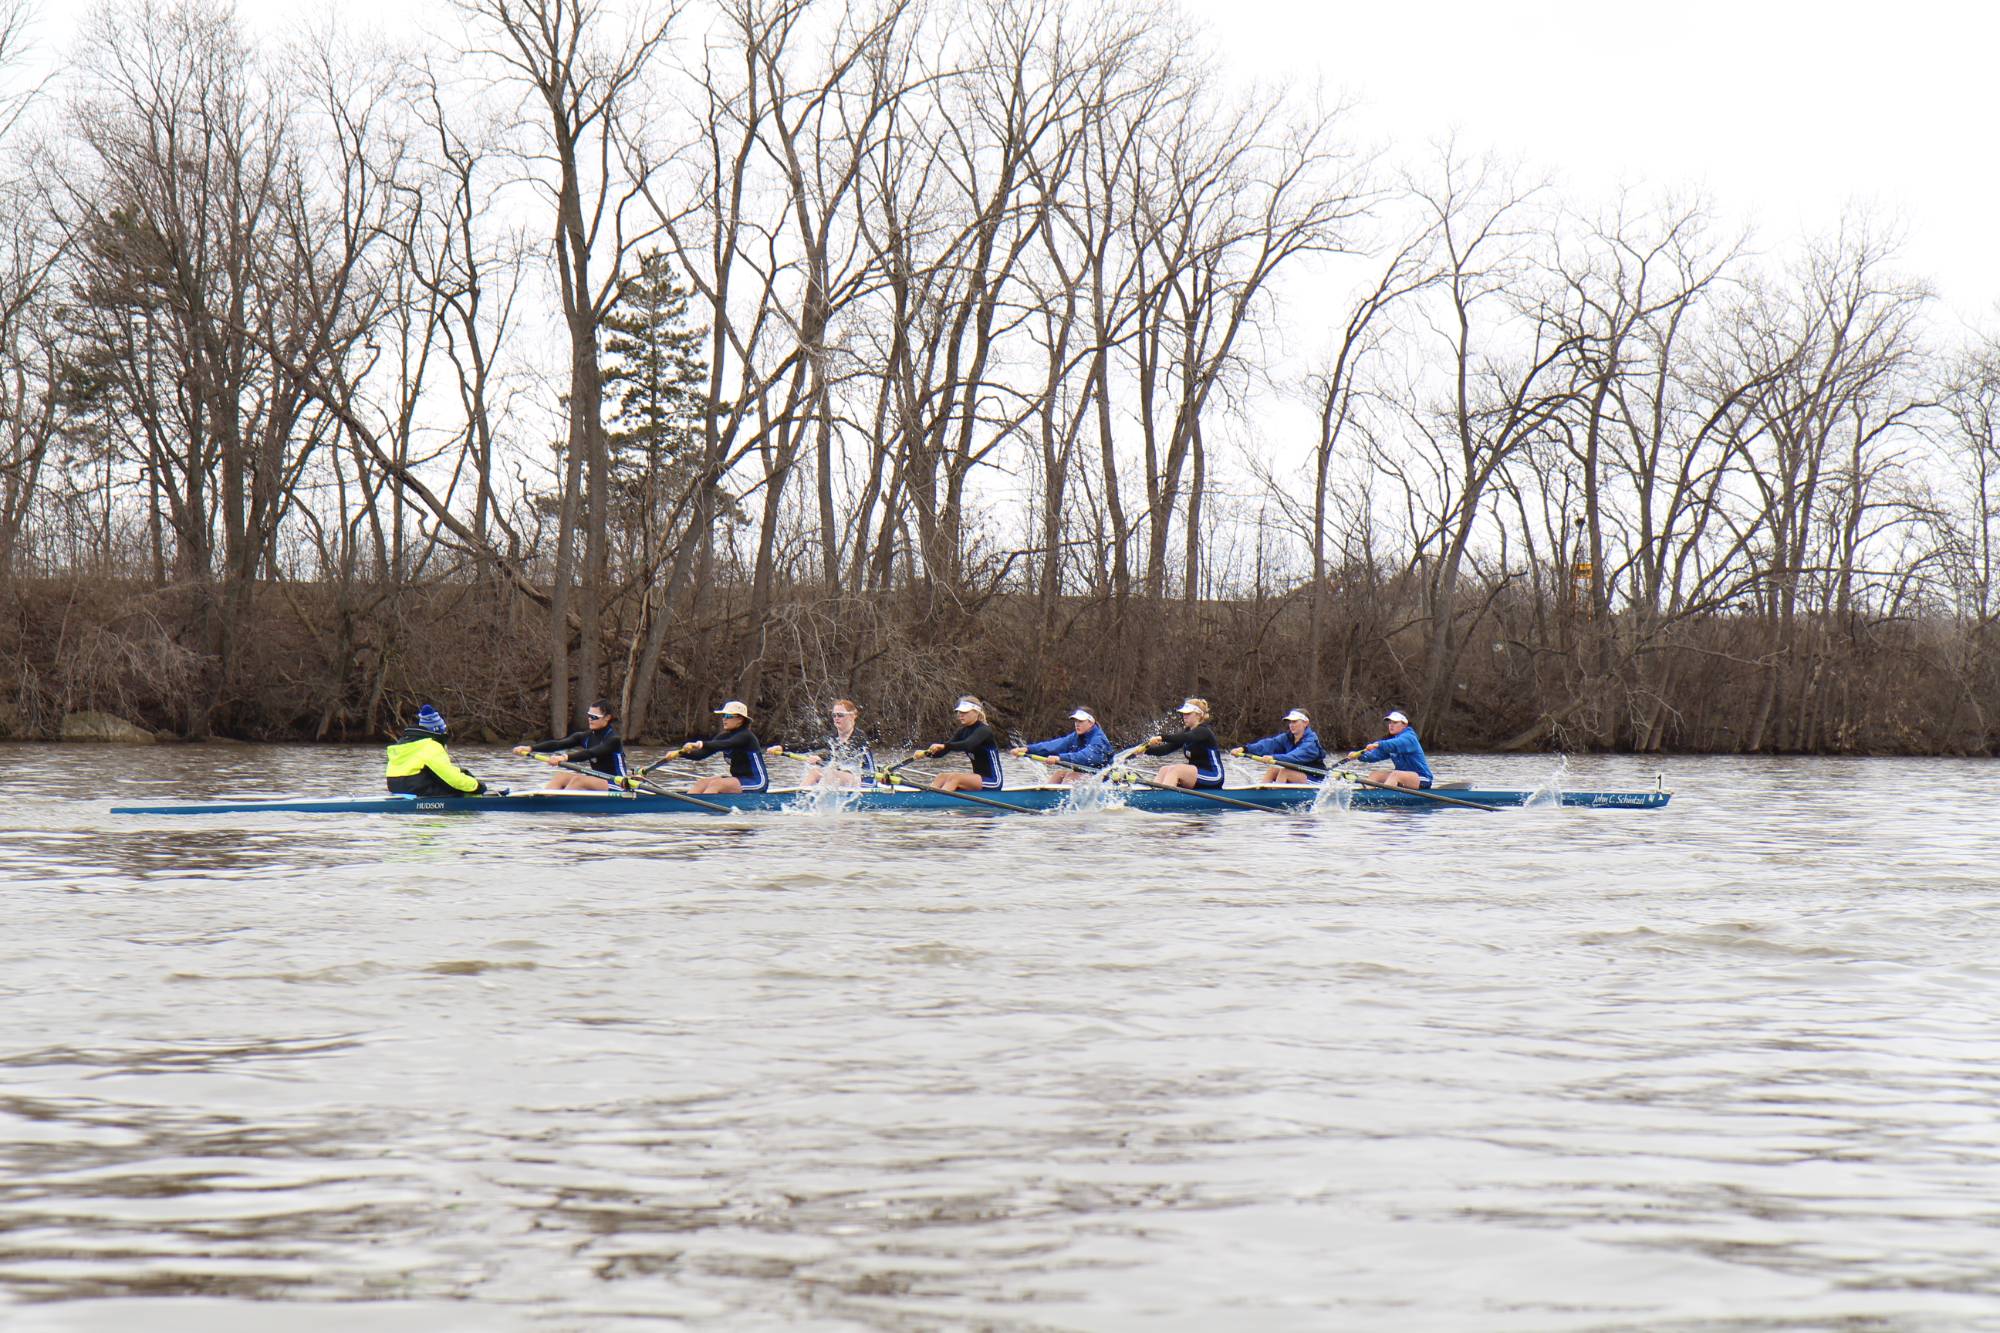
[1307, 751]
[1092, 749]
[1404, 751]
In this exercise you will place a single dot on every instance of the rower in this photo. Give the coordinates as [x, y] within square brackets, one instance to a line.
[1203, 768]
[1298, 743]
[1085, 746]
[746, 755]
[843, 759]
[1407, 765]
[597, 746]
[419, 765]
[975, 740]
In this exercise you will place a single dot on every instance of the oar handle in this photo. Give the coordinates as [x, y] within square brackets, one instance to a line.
[617, 785]
[678, 752]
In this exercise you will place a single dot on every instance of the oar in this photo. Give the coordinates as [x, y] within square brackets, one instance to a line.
[1379, 786]
[665, 759]
[1360, 781]
[1127, 775]
[886, 773]
[638, 780]
[892, 780]
[1306, 769]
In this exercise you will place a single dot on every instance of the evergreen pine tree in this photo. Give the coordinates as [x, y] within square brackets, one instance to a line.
[657, 381]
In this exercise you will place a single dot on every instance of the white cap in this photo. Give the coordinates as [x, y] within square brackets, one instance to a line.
[1297, 715]
[734, 708]
[1394, 716]
[1082, 715]
[968, 704]
[1193, 706]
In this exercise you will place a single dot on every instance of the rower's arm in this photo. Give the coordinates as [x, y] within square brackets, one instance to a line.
[978, 738]
[601, 746]
[1307, 751]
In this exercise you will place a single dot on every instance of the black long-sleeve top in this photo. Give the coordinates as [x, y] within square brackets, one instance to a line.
[978, 744]
[1203, 751]
[745, 751]
[602, 750]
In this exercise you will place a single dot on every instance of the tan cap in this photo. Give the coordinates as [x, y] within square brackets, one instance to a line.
[734, 708]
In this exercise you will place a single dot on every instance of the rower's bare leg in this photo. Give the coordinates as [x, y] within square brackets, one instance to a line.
[1394, 777]
[1275, 774]
[812, 776]
[1178, 775]
[565, 781]
[962, 780]
[716, 787]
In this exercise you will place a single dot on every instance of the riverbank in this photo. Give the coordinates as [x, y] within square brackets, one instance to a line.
[322, 662]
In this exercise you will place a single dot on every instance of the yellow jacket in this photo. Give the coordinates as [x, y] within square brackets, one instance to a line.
[411, 758]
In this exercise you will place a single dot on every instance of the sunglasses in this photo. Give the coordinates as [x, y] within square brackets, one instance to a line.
[598, 717]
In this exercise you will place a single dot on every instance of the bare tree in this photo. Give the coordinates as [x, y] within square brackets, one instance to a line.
[584, 82]
[1840, 348]
[186, 187]
[1500, 352]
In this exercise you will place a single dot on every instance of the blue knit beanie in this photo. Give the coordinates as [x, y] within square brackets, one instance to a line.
[429, 719]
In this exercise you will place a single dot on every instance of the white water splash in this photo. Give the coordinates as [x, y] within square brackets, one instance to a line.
[1548, 794]
[825, 799]
[1091, 793]
[1336, 794]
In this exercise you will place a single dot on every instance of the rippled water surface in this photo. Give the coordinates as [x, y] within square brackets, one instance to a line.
[1734, 1064]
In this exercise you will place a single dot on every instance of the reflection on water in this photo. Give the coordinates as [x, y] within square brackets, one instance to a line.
[1725, 1065]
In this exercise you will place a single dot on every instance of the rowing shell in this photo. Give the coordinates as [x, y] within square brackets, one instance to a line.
[1289, 797]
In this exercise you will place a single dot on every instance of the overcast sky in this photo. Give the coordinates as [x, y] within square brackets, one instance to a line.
[1785, 111]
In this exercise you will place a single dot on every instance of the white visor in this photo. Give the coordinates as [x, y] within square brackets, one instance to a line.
[1081, 715]
[1396, 717]
[1297, 715]
[734, 708]
[1190, 707]
[968, 705]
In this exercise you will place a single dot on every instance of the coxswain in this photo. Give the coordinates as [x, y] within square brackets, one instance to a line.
[597, 746]
[419, 765]
[1407, 766]
[975, 740]
[843, 758]
[1203, 768]
[1298, 743]
[745, 751]
[1084, 745]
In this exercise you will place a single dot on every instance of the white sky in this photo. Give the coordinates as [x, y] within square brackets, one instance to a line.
[1784, 112]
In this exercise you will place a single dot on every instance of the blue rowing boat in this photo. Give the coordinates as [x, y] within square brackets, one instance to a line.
[1023, 800]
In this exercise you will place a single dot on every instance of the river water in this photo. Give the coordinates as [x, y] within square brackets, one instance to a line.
[1727, 1065]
